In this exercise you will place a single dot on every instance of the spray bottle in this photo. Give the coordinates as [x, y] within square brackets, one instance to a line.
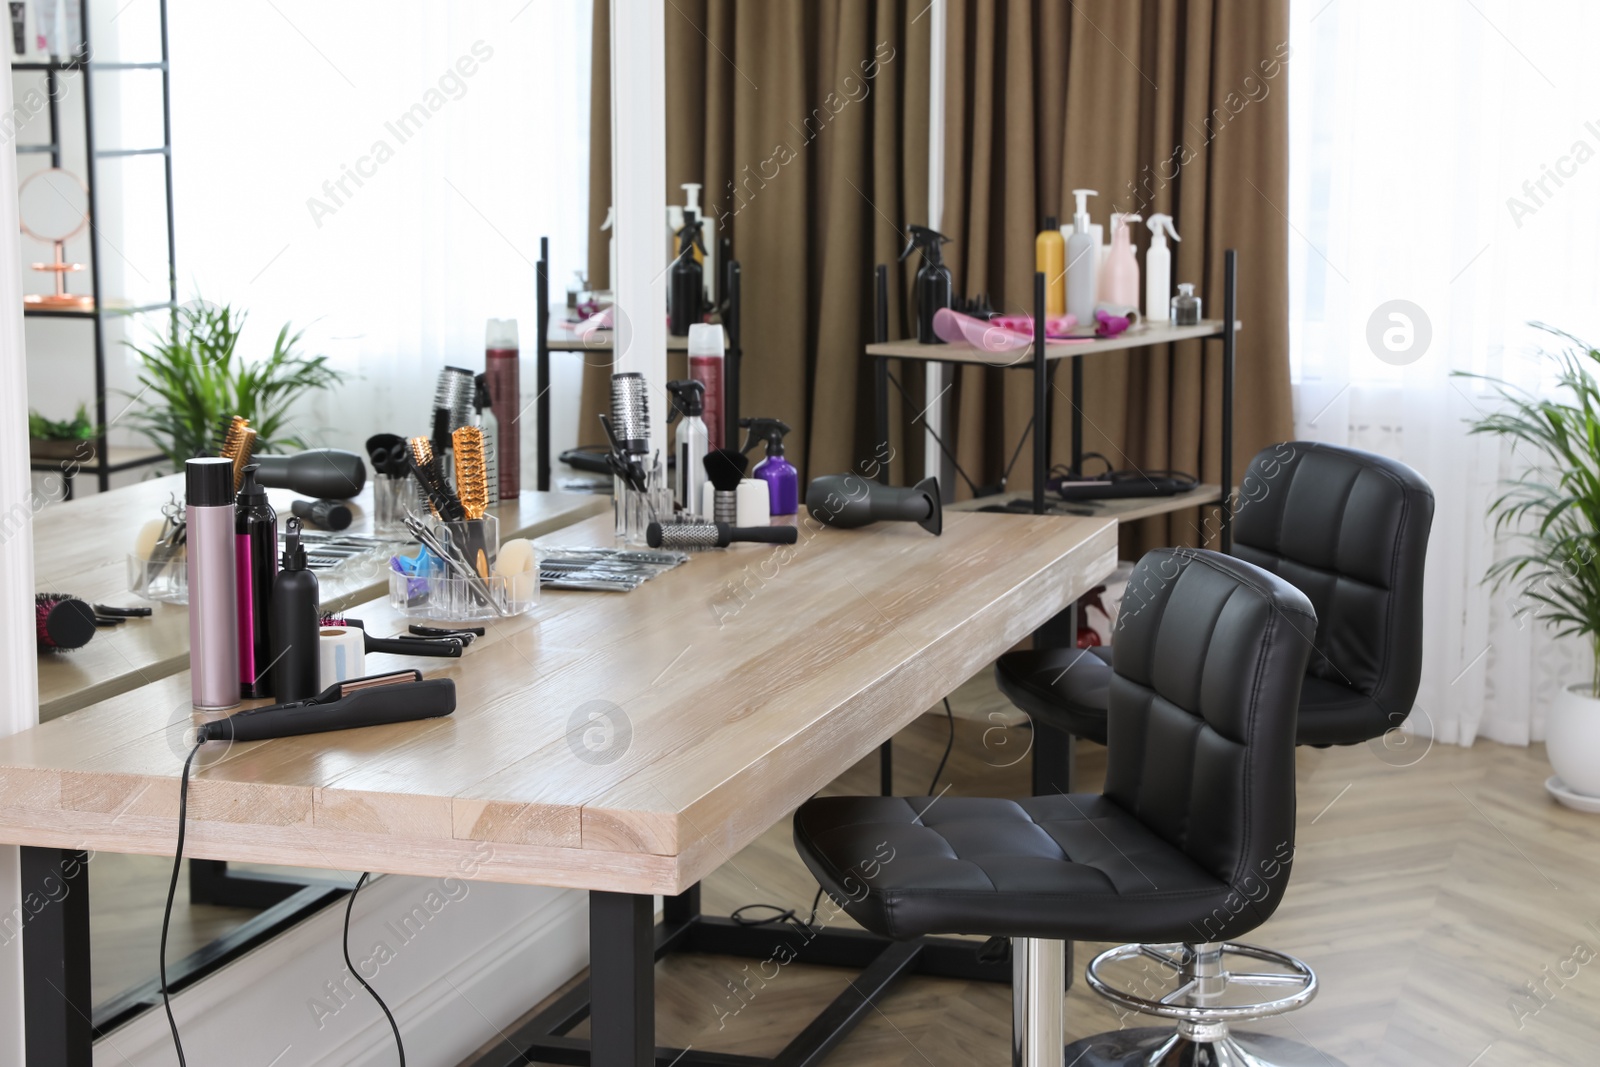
[932, 291]
[783, 481]
[1158, 270]
[705, 252]
[690, 444]
[686, 283]
[1119, 284]
[1083, 262]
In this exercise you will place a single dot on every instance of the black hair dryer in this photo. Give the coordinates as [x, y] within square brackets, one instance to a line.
[849, 501]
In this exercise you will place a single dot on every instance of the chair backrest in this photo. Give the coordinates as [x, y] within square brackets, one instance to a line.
[1350, 530]
[1210, 654]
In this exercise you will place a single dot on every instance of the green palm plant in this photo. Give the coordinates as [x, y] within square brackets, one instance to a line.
[1550, 513]
[193, 379]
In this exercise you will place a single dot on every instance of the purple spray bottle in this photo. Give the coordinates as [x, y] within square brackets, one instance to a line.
[783, 481]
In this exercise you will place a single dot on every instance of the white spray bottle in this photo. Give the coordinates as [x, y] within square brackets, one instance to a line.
[1083, 262]
[1158, 271]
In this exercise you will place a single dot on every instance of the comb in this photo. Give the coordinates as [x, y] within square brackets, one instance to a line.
[472, 474]
[443, 502]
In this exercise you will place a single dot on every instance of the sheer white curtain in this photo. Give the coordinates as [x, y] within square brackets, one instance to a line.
[1444, 192]
[381, 173]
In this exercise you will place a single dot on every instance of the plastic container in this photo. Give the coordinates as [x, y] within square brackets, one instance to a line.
[165, 582]
[1186, 306]
[449, 599]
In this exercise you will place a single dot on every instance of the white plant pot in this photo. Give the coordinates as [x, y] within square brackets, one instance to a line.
[1572, 739]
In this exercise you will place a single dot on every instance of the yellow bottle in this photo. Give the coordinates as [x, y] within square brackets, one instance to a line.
[1050, 259]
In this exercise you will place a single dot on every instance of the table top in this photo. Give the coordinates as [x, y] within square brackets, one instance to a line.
[622, 742]
[81, 546]
[1137, 337]
[562, 337]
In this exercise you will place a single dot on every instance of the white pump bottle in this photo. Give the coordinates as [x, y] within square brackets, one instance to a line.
[1158, 271]
[1083, 262]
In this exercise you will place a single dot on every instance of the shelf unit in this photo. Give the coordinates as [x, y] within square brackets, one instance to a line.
[1043, 358]
[108, 460]
[553, 337]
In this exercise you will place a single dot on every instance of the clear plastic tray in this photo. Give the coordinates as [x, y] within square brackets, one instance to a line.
[165, 582]
[451, 599]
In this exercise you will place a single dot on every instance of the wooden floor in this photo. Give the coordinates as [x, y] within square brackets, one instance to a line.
[1430, 886]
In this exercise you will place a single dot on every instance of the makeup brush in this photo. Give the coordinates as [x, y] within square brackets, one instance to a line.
[63, 622]
[440, 498]
[725, 468]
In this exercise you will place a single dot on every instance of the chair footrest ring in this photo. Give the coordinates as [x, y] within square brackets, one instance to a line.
[1193, 981]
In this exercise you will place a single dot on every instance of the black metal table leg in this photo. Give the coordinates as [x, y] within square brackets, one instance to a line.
[57, 1000]
[1053, 753]
[622, 957]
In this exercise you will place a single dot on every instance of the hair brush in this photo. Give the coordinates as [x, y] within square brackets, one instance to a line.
[64, 622]
[472, 473]
[440, 498]
[725, 467]
[228, 429]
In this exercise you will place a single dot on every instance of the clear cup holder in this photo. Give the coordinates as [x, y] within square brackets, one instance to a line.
[166, 581]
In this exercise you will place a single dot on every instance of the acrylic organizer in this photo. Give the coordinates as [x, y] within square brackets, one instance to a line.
[433, 589]
[392, 497]
[166, 581]
[636, 510]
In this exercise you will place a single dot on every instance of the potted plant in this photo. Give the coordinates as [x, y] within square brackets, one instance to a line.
[1550, 515]
[52, 439]
[197, 380]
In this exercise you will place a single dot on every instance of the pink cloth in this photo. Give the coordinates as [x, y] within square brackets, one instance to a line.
[1004, 333]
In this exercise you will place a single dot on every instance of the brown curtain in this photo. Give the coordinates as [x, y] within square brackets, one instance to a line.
[1177, 106]
[807, 123]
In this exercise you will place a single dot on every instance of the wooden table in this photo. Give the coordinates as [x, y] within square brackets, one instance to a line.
[81, 547]
[624, 744]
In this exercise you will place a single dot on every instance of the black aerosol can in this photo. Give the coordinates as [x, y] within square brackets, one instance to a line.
[932, 290]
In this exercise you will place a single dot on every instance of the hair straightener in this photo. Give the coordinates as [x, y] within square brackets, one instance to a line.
[377, 700]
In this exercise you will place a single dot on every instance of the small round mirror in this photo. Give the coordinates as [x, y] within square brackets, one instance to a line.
[53, 205]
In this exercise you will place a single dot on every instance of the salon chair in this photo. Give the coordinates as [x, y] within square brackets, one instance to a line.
[1188, 847]
[1350, 529]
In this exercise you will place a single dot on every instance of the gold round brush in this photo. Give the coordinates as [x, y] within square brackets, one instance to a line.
[228, 445]
[472, 473]
[242, 454]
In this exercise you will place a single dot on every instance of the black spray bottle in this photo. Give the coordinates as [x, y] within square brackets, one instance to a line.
[296, 660]
[255, 528]
[686, 298]
[932, 290]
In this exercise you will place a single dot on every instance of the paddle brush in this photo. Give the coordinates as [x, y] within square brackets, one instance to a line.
[440, 498]
[63, 622]
[725, 468]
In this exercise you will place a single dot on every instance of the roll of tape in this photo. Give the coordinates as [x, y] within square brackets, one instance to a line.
[755, 503]
[343, 652]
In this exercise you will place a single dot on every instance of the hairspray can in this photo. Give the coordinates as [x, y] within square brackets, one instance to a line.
[256, 537]
[213, 594]
[502, 369]
[705, 366]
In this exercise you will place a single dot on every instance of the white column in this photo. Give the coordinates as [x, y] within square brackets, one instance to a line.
[19, 699]
[638, 192]
[937, 375]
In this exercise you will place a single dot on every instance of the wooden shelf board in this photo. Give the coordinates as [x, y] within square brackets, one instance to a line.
[1127, 509]
[1139, 337]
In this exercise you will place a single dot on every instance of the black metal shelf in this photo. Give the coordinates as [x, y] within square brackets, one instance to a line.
[103, 466]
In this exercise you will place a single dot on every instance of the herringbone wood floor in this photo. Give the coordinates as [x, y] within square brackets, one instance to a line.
[1430, 885]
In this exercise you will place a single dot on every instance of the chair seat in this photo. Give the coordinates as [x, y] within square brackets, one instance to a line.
[1068, 688]
[1067, 866]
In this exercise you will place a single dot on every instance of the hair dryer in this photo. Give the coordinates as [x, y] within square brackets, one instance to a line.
[849, 501]
[330, 473]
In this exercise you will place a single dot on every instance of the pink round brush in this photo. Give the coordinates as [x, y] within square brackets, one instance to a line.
[63, 622]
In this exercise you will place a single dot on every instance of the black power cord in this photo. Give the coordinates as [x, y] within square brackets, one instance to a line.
[172, 889]
[948, 745]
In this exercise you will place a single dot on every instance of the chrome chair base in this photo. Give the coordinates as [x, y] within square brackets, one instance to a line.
[1162, 1047]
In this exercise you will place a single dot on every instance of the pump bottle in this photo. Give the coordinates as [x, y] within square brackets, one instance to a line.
[932, 289]
[296, 659]
[1083, 261]
[690, 444]
[783, 481]
[1119, 284]
[1158, 271]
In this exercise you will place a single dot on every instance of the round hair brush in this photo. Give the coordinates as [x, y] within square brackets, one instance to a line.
[715, 535]
[64, 622]
[725, 468]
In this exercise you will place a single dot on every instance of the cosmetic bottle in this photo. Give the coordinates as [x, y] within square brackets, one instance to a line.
[255, 531]
[296, 658]
[1083, 262]
[783, 481]
[213, 583]
[1049, 259]
[932, 291]
[705, 252]
[705, 367]
[1186, 306]
[1158, 270]
[690, 445]
[686, 281]
[502, 368]
[1119, 282]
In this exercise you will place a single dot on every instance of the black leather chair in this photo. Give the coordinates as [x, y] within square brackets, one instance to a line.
[1350, 529]
[1189, 845]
